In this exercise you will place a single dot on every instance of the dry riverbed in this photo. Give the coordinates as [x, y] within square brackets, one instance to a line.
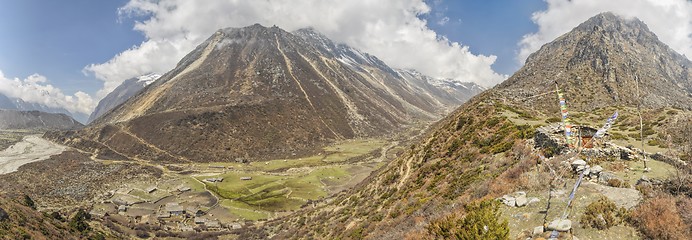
[31, 149]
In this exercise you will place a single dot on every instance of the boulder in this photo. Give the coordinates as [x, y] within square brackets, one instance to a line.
[533, 200]
[605, 176]
[579, 168]
[508, 200]
[578, 163]
[560, 225]
[596, 169]
[537, 230]
[521, 201]
[644, 181]
[587, 171]
[644, 178]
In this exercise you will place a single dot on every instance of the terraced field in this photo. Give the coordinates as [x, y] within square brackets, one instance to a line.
[283, 185]
[263, 190]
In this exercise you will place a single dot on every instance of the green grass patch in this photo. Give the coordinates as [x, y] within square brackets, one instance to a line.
[232, 187]
[244, 210]
[278, 193]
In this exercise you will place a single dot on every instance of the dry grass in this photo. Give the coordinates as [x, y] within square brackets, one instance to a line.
[659, 218]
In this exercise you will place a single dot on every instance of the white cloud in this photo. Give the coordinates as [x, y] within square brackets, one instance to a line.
[443, 21]
[388, 29]
[35, 89]
[670, 20]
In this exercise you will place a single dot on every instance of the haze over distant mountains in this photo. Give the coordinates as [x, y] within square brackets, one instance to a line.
[21, 105]
[13, 119]
[263, 93]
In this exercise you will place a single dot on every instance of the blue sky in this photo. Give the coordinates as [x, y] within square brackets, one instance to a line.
[86, 48]
[491, 27]
[57, 39]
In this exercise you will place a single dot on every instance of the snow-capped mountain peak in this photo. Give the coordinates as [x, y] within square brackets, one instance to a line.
[148, 78]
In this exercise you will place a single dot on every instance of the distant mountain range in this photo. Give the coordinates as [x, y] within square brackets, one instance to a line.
[263, 93]
[21, 105]
[13, 119]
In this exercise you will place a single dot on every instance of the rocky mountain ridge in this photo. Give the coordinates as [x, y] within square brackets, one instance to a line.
[122, 93]
[607, 60]
[262, 93]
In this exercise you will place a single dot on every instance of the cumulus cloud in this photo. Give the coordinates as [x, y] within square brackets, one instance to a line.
[670, 20]
[35, 89]
[389, 29]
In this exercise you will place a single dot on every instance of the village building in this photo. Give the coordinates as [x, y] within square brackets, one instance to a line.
[100, 213]
[150, 189]
[146, 219]
[119, 201]
[200, 220]
[174, 209]
[585, 137]
[213, 224]
[236, 226]
[122, 208]
[217, 179]
[163, 215]
[193, 212]
[186, 228]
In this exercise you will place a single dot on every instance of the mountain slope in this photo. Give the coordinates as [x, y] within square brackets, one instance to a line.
[260, 93]
[122, 93]
[602, 62]
[480, 151]
[11, 119]
[18, 221]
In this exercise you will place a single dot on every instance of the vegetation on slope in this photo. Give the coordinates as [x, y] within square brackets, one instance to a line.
[456, 164]
[19, 221]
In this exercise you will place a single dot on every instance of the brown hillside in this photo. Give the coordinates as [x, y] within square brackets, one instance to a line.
[260, 93]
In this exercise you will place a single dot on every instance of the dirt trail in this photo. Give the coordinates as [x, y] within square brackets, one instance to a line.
[31, 149]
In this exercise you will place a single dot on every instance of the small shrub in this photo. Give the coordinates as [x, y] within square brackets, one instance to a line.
[502, 147]
[635, 136]
[553, 120]
[142, 234]
[614, 182]
[57, 216]
[658, 218]
[603, 214]
[618, 166]
[480, 222]
[617, 136]
[97, 236]
[79, 221]
[29, 202]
